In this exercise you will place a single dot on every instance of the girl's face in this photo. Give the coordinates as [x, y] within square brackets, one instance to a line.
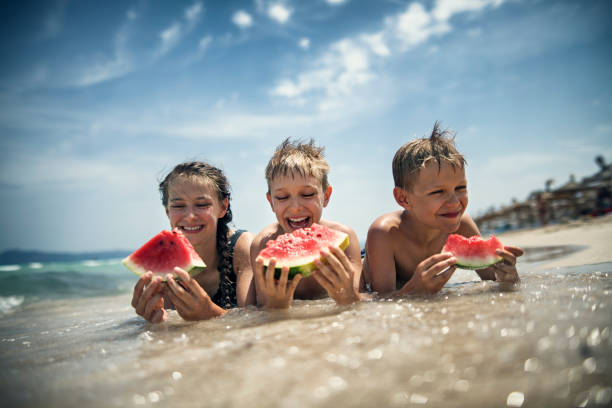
[439, 196]
[297, 201]
[194, 208]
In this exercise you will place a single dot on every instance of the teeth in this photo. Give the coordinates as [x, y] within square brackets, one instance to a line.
[298, 219]
[192, 228]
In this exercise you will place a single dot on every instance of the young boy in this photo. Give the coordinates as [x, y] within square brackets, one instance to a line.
[403, 247]
[298, 191]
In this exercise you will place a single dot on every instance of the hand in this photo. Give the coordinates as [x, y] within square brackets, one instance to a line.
[504, 271]
[191, 301]
[148, 298]
[430, 275]
[276, 293]
[336, 276]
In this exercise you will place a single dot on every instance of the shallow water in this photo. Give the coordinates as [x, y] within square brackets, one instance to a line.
[544, 343]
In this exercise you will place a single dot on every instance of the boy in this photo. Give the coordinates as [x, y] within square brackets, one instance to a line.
[298, 191]
[403, 247]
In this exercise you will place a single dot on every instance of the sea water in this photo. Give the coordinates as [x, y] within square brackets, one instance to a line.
[69, 338]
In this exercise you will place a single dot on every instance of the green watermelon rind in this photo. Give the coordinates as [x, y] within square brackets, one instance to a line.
[304, 266]
[193, 268]
[466, 264]
[474, 263]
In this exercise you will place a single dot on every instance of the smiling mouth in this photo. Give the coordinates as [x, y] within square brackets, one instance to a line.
[451, 214]
[299, 222]
[189, 230]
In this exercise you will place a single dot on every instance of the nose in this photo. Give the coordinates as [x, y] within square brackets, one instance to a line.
[295, 203]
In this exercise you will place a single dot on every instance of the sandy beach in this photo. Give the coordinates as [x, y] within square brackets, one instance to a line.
[594, 235]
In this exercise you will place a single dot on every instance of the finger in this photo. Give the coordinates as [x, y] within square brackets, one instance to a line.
[516, 251]
[179, 302]
[434, 259]
[192, 285]
[153, 288]
[506, 273]
[139, 287]
[323, 281]
[435, 269]
[293, 284]
[445, 275]
[334, 265]
[330, 275]
[508, 257]
[269, 274]
[176, 291]
[152, 305]
[259, 273]
[282, 282]
[341, 256]
[158, 316]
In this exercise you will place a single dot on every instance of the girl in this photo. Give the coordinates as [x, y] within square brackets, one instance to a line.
[197, 201]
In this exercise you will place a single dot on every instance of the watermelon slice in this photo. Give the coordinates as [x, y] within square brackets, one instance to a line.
[473, 252]
[162, 253]
[299, 249]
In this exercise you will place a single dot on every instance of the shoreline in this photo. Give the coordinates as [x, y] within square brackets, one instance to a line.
[595, 234]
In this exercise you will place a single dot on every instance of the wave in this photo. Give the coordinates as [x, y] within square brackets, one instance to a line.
[8, 304]
[9, 268]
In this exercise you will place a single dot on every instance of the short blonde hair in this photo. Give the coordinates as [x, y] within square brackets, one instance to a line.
[414, 155]
[292, 157]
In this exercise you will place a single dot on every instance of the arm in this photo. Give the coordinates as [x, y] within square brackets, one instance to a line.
[379, 263]
[245, 289]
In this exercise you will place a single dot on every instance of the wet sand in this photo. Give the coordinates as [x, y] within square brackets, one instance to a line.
[593, 236]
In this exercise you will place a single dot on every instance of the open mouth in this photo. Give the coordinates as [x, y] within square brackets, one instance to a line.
[191, 230]
[451, 214]
[298, 222]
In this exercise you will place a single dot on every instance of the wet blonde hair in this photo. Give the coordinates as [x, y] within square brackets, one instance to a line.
[292, 157]
[414, 155]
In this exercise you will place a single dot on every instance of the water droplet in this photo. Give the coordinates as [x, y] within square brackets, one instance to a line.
[515, 399]
[589, 365]
[594, 338]
[544, 344]
[418, 399]
[337, 383]
[603, 396]
[375, 354]
[462, 385]
[445, 330]
[154, 396]
[176, 375]
[532, 365]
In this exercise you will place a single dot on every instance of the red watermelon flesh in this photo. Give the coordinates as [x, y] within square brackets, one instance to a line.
[299, 249]
[473, 252]
[162, 253]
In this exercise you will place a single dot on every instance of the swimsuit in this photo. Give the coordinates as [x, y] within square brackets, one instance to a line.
[226, 294]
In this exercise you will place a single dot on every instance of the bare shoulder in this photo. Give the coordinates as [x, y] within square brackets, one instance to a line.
[243, 245]
[467, 227]
[268, 233]
[386, 224]
[337, 226]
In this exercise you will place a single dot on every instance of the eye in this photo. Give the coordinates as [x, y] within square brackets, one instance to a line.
[308, 194]
[177, 206]
[281, 198]
[203, 205]
[435, 192]
[461, 188]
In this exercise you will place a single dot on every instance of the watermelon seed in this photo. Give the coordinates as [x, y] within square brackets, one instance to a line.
[319, 235]
[161, 242]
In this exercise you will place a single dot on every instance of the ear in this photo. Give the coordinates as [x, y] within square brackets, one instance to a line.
[167, 213]
[401, 197]
[269, 198]
[327, 195]
[223, 208]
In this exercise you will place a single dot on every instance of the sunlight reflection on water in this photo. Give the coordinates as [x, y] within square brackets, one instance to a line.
[544, 343]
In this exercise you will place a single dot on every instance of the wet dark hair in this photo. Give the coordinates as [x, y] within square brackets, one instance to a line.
[414, 155]
[197, 170]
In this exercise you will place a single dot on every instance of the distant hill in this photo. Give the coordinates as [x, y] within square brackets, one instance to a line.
[18, 256]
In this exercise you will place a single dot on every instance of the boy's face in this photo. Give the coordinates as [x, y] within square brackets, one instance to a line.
[297, 201]
[438, 198]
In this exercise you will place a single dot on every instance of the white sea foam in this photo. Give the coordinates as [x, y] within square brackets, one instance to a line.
[8, 304]
[91, 263]
[9, 268]
[35, 265]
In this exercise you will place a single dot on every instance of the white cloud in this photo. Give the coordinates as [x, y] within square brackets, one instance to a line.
[169, 37]
[416, 25]
[242, 19]
[304, 43]
[377, 44]
[445, 9]
[280, 13]
[192, 13]
[335, 2]
[204, 43]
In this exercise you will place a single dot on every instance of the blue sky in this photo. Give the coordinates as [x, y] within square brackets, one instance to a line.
[98, 100]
